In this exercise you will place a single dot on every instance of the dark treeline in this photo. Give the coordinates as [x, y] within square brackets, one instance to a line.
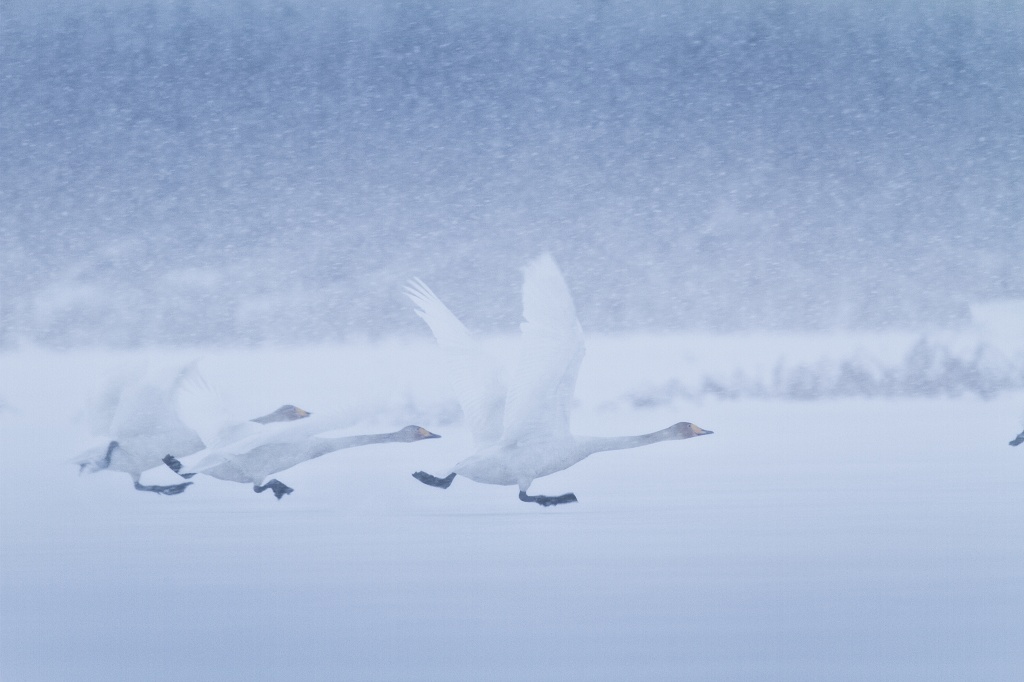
[173, 173]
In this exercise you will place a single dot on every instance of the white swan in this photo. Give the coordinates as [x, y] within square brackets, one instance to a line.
[203, 408]
[521, 432]
[281, 446]
[145, 426]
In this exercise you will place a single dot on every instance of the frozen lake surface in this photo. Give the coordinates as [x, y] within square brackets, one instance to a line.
[838, 539]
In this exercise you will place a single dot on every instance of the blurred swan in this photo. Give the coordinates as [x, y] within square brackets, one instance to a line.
[1018, 440]
[253, 459]
[145, 425]
[521, 432]
[202, 407]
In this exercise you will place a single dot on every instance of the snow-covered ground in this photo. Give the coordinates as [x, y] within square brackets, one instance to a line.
[842, 538]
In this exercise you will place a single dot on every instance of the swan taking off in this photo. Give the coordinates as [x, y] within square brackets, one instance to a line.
[521, 432]
[146, 425]
[281, 446]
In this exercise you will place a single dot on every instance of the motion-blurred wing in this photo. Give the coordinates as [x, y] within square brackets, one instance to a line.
[474, 375]
[148, 405]
[544, 378]
[205, 462]
[102, 412]
[202, 407]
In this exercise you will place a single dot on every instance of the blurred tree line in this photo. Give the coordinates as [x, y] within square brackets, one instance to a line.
[274, 170]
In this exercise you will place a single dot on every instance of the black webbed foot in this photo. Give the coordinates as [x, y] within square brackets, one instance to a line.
[279, 489]
[175, 489]
[1018, 440]
[546, 500]
[174, 465]
[424, 477]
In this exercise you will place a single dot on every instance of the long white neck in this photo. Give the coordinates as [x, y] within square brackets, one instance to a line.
[322, 446]
[588, 445]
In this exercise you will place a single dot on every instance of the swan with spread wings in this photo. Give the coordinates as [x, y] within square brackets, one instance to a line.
[145, 424]
[521, 430]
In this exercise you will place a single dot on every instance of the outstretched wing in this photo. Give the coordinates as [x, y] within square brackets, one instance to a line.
[475, 376]
[544, 378]
[202, 407]
[147, 404]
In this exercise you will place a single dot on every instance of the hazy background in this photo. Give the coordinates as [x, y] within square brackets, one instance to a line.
[181, 173]
[799, 224]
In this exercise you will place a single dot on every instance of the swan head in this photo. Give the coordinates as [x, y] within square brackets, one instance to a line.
[285, 413]
[687, 430]
[92, 461]
[411, 434]
[95, 459]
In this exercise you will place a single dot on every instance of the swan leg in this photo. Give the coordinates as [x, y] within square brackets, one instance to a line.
[546, 500]
[279, 489]
[174, 465]
[424, 477]
[176, 489]
[1018, 440]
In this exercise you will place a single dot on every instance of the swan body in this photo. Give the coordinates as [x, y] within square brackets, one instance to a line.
[143, 427]
[279, 447]
[521, 463]
[521, 430]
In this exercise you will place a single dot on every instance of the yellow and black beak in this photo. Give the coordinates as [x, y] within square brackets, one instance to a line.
[697, 431]
[423, 433]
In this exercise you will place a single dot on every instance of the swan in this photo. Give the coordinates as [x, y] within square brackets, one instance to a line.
[253, 459]
[203, 408]
[145, 425]
[1018, 440]
[521, 431]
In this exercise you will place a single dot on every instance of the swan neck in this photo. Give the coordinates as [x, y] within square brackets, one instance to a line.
[322, 446]
[592, 444]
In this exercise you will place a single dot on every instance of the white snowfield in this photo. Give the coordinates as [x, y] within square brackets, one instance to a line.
[842, 538]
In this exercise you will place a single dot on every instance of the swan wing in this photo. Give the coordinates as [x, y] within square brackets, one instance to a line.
[550, 353]
[103, 409]
[147, 404]
[208, 461]
[474, 375]
[203, 408]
